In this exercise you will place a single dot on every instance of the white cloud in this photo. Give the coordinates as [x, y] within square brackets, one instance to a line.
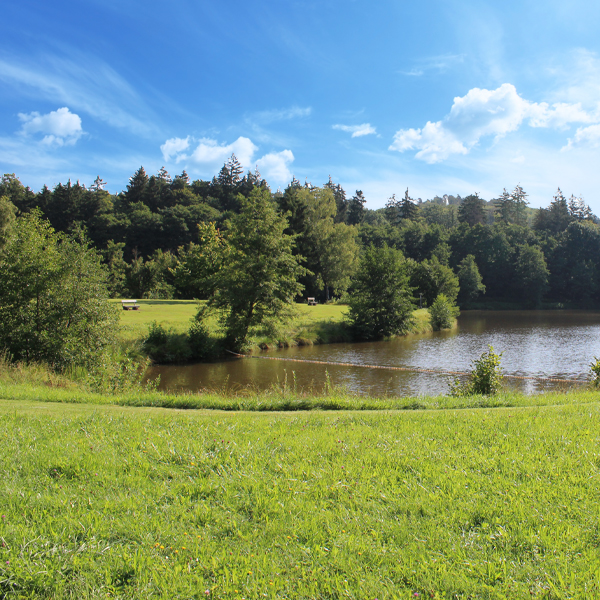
[483, 113]
[357, 130]
[210, 153]
[175, 147]
[59, 127]
[274, 167]
[210, 156]
[559, 116]
[586, 137]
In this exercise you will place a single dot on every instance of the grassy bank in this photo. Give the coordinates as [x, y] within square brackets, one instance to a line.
[105, 501]
[321, 324]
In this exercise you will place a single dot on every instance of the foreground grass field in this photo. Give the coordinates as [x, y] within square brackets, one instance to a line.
[106, 501]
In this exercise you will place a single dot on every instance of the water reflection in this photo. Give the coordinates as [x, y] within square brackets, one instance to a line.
[545, 344]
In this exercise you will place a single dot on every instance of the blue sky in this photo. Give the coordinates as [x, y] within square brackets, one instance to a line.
[440, 96]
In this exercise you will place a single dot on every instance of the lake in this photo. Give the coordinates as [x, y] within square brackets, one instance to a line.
[537, 344]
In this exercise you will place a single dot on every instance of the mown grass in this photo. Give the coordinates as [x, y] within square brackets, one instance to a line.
[102, 501]
[321, 324]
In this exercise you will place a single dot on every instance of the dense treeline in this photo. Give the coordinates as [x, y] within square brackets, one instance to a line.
[158, 237]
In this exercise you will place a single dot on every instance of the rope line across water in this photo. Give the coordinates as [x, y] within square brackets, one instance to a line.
[410, 369]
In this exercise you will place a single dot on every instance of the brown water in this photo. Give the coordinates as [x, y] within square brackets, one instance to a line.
[544, 344]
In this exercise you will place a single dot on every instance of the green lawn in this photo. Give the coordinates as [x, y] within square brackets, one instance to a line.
[170, 313]
[105, 501]
[312, 323]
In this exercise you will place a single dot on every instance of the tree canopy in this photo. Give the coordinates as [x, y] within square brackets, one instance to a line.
[258, 283]
[380, 300]
[53, 297]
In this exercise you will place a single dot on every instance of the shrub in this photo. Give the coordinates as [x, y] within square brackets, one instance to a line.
[202, 346]
[485, 378]
[442, 313]
[166, 346]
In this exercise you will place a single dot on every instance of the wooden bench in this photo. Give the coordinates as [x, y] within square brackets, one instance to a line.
[312, 302]
[130, 305]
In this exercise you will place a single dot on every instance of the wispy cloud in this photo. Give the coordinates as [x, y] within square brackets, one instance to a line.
[584, 137]
[357, 130]
[281, 114]
[437, 64]
[483, 113]
[87, 85]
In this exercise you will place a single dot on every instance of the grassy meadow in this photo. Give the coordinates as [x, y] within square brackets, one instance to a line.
[125, 502]
[313, 324]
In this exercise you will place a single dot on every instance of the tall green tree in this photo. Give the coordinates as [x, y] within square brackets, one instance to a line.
[470, 281]
[380, 300]
[430, 278]
[137, 187]
[532, 274]
[257, 285]
[556, 217]
[356, 209]
[329, 249]
[7, 217]
[511, 207]
[472, 210]
[199, 263]
[53, 297]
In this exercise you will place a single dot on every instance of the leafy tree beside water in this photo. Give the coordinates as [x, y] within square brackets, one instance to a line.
[257, 285]
[381, 300]
[469, 278]
[442, 313]
[532, 274]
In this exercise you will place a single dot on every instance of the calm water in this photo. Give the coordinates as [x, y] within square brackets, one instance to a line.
[554, 344]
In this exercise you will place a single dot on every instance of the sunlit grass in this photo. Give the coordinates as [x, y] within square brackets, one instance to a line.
[102, 501]
[314, 324]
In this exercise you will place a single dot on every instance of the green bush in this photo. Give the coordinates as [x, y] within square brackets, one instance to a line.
[485, 378]
[202, 346]
[442, 313]
[166, 346]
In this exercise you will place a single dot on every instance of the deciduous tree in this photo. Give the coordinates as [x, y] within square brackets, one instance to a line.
[257, 285]
[53, 297]
[380, 301]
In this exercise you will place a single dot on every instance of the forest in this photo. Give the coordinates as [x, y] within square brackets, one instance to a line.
[157, 237]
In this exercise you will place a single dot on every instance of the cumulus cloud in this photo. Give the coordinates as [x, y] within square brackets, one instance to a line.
[483, 113]
[560, 115]
[585, 136]
[210, 153]
[175, 147]
[357, 130]
[59, 127]
[274, 167]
